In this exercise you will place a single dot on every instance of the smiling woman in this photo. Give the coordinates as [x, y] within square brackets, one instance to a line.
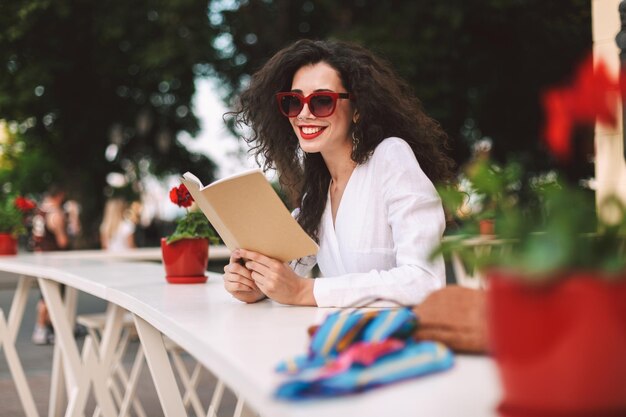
[358, 156]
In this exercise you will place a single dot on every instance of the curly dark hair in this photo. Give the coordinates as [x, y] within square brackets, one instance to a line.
[384, 103]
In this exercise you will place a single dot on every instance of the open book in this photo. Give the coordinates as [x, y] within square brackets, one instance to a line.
[247, 213]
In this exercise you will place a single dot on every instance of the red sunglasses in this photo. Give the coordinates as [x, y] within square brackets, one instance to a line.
[321, 104]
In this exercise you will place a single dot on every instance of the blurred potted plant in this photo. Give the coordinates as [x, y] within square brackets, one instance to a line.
[13, 211]
[485, 189]
[557, 291]
[186, 251]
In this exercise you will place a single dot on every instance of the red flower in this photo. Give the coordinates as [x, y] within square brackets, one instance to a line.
[24, 204]
[180, 196]
[593, 95]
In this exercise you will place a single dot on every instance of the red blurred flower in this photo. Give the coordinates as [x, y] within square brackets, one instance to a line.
[180, 196]
[24, 204]
[593, 95]
[174, 195]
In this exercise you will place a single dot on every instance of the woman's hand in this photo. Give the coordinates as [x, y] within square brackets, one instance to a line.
[277, 280]
[238, 282]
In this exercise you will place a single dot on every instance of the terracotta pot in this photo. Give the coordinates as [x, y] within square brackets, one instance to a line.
[185, 261]
[8, 244]
[560, 348]
[487, 227]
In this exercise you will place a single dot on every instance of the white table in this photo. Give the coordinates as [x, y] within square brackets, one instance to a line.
[239, 343]
[216, 253]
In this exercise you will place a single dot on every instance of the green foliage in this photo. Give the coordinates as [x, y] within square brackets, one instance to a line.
[80, 77]
[478, 66]
[193, 225]
[555, 229]
[11, 218]
[484, 191]
[83, 77]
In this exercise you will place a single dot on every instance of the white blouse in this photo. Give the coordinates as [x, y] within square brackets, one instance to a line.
[389, 220]
[119, 240]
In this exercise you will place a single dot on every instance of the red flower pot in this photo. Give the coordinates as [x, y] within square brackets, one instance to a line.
[8, 244]
[486, 227]
[185, 261]
[560, 348]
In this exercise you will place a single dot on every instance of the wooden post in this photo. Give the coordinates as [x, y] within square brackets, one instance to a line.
[610, 165]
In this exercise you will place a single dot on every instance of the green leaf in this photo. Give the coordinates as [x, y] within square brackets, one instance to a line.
[11, 218]
[194, 225]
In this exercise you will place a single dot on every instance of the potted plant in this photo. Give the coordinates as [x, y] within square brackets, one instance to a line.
[13, 210]
[556, 291]
[485, 190]
[186, 251]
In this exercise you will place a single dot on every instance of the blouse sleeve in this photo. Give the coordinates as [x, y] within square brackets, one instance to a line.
[416, 219]
[302, 266]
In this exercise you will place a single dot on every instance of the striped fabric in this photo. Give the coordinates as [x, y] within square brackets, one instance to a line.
[353, 351]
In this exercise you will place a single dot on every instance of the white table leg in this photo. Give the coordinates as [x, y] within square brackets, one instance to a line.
[160, 368]
[8, 334]
[56, 401]
[93, 367]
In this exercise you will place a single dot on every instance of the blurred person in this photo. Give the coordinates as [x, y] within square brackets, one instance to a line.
[72, 210]
[359, 156]
[118, 225]
[50, 233]
[50, 225]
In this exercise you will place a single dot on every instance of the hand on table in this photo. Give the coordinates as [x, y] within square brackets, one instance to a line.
[277, 280]
[238, 282]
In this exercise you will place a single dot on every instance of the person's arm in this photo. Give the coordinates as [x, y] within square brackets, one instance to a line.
[415, 216]
[130, 233]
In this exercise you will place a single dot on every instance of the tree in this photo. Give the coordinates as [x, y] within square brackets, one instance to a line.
[479, 66]
[93, 87]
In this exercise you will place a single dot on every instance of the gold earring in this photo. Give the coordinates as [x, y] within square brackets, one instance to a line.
[355, 139]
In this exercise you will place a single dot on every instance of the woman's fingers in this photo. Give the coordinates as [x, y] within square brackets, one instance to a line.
[261, 269]
[234, 286]
[237, 269]
[260, 259]
[248, 296]
[237, 278]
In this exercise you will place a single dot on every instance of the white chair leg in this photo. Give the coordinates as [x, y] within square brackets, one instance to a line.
[463, 278]
[189, 386]
[193, 383]
[242, 409]
[131, 387]
[8, 332]
[118, 382]
[216, 399]
[75, 375]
